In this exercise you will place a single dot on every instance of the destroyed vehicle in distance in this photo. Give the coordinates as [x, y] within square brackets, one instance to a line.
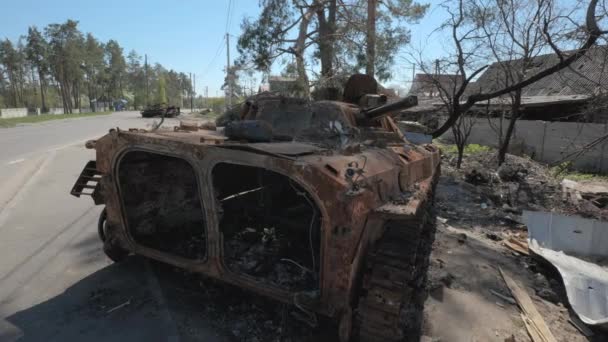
[322, 205]
[160, 110]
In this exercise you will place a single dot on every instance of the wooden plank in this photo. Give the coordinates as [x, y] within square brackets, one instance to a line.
[532, 331]
[505, 298]
[529, 310]
[517, 246]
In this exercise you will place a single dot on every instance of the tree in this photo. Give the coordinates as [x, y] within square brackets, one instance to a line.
[94, 69]
[185, 84]
[116, 68]
[37, 54]
[326, 26]
[339, 35]
[136, 78]
[372, 34]
[520, 25]
[62, 61]
[464, 28]
[231, 83]
[267, 38]
[12, 60]
[161, 94]
[66, 54]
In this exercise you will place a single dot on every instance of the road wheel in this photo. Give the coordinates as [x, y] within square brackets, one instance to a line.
[110, 248]
[115, 252]
[101, 225]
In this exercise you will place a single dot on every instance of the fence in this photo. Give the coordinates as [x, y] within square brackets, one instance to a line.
[547, 142]
[6, 113]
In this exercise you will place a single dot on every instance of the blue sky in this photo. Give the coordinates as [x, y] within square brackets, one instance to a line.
[183, 35]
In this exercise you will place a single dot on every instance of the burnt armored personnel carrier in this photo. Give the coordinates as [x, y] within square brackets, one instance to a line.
[322, 205]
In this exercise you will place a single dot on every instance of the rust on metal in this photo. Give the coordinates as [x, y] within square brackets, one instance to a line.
[332, 215]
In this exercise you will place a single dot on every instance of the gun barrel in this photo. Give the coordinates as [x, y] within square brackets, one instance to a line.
[377, 112]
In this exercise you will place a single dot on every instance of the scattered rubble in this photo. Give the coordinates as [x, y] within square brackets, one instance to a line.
[587, 199]
[258, 253]
[486, 204]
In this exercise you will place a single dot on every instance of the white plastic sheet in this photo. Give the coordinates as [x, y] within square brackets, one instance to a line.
[578, 248]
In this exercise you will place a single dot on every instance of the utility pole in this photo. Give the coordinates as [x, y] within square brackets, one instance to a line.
[371, 37]
[413, 72]
[228, 74]
[146, 75]
[207, 96]
[191, 101]
[194, 86]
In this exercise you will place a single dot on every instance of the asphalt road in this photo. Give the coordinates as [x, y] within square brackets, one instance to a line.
[55, 282]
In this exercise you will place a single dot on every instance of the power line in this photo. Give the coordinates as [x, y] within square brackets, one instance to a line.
[220, 49]
[229, 15]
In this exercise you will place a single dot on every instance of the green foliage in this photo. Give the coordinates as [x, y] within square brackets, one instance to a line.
[470, 149]
[261, 39]
[116, 68]
[217, 104]
[4, 123]
[161, 94]
[12, 58]
[565, 170]
[273, 33]
[75, 70]
[391, 35]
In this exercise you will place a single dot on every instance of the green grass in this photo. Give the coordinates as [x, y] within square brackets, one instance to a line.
[469, 149]
[564, 170]
[11, 122]
[209, 116]
[579, 176]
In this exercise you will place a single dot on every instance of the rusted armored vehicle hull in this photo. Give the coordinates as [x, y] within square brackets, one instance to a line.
[343, 233]
[159, 110]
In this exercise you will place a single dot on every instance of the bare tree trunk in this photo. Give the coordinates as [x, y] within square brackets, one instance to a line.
[593, 34]
[460, 154]
[66, 108]
[327, 30]
[299, 53]
[370, 51]
[515, 113]
[42, 95]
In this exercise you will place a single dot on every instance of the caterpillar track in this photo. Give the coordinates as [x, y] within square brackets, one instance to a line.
[393, 290]
[314, 204]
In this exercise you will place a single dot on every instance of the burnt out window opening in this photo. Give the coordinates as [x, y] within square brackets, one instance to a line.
[270, 226]
[162, 203]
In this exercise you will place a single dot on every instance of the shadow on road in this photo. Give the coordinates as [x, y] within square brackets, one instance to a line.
[132, 301]
[114, 303]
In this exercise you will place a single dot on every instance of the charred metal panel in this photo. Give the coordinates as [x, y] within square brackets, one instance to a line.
[161, 201]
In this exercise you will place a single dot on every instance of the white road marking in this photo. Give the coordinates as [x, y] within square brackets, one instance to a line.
[33, 178]
[16, 161]
[26, 156]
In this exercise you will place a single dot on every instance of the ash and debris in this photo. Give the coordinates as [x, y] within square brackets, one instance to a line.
[479, 210]
[262, 253]
[235, 313]
[519, 184]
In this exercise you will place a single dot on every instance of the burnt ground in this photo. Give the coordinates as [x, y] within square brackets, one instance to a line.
[473, 219]
[235, 314]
